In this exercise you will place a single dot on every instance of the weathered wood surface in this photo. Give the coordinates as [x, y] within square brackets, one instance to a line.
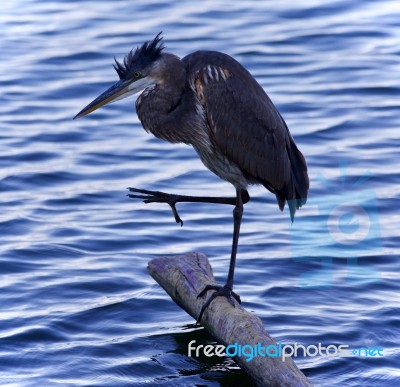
[183, 277]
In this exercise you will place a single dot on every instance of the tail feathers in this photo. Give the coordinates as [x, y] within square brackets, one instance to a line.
[296, 190]
[294, 204]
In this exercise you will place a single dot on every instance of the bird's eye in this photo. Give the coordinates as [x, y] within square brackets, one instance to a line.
[136, 74]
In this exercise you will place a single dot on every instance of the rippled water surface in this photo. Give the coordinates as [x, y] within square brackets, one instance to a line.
[77, 305]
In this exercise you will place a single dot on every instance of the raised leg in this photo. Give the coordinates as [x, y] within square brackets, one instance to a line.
[171, 199]
[226, 290]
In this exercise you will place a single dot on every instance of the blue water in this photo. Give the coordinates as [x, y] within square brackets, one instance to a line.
[77, 305]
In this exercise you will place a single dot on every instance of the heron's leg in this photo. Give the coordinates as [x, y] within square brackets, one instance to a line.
[171, 199]
[226, 290]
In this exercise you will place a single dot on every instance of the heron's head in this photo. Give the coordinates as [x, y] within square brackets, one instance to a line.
[135, 74]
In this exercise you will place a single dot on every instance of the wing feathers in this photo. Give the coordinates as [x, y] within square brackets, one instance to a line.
[248, 129]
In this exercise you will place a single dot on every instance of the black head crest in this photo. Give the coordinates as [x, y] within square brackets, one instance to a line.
[149, 52]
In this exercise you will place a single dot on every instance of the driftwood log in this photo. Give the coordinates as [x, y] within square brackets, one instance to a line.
[183, 277]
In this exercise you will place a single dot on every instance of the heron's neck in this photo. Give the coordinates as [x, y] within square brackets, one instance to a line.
[168, 110]
[170, 73]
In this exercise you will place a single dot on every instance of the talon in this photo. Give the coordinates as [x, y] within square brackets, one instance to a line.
[156, 197]
[207, 288]
[219, 291]
[138, 197]
[175, 212]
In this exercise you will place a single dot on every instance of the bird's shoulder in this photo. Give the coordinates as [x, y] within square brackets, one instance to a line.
[215, 66]
[221, 81]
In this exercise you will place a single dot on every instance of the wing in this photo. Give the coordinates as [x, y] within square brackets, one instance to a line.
[247, 128]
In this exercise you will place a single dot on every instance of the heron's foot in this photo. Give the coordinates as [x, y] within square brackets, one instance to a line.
[225, 291]
[157, 197]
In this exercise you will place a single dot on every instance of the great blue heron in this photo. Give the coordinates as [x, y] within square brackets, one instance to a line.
[210, 101]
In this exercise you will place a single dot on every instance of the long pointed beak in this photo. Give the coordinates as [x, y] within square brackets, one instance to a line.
[119, 90]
